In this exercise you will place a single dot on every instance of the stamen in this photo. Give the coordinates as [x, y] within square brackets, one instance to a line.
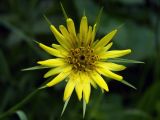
[82, 58]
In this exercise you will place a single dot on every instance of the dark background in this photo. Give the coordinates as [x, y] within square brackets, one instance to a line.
[21, 21]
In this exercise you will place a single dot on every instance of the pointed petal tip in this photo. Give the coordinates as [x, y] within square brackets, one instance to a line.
[129, 50]
[107, 89]
[45, 76]
[39, 62]
[79, 98]
[69, 20]
[84, 17]
[52, 27]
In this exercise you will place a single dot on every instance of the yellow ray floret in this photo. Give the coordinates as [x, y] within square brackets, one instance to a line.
[53, 71]
[105, 40]
[109, 74]
[71, 27]
[86, 91]
[60, 77]
[51, 51]
[111, 66]
[83, 29]
[79, 89]
[69, 89]
[99, 80]
[52, 62]
[60, 38]
[115, 54]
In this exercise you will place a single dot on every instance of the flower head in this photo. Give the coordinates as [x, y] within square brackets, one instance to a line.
[80, 59]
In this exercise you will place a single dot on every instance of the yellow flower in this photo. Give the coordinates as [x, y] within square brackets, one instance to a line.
[81, 60]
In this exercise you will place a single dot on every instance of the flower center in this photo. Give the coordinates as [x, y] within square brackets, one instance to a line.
[82, 58]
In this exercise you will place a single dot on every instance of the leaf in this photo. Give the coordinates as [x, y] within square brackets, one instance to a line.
[47, 20]
[34, 68]
[99, 18]
[64, 11]
[4, 68]
[128, 84]
[121, 60]
[90, 7]
[136, 113]
[84, 107]
[65, 105]
[21, 115]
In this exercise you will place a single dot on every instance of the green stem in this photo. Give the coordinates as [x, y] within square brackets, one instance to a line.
[18, 105]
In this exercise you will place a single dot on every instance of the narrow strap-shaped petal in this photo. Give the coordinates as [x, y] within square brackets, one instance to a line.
[109, 74]
[99, 80]
[53, 71]
[106, 39]
[52, 62]
[111, 66]
[93, 83]
[106, 48]
[71, 26]
[69, 89]
[103, 50]
[59, 37]
[115, 54]
[79, 88]
[83, 29]
[85, 79]
[61, 49]
[72, 31]
[50, 50]
[89, 36]
[59, 77]
[86, 91]
[66, 34]
[64, 31]
[93, 33]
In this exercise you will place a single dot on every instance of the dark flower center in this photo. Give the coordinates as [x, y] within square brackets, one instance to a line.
[82, 58]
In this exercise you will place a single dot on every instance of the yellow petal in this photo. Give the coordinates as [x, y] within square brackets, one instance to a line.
[112, 66]
[106, 39]
[106, 48]
[109, 74]
[89, 35]
[71, 27]
[102, 51]
[86, 91]
[59, 77]
[69, 89]
[93, 83]
[66, 34]
[59, 37]
[60, 48]
[115, 53]
[53, 71]
[99, 80]
[83, 29]
[64, 31]
[52, 62]
[78, 89]
[50, 50]
[93, 33]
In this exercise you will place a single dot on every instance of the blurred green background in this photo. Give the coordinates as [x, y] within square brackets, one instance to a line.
[21, 21]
